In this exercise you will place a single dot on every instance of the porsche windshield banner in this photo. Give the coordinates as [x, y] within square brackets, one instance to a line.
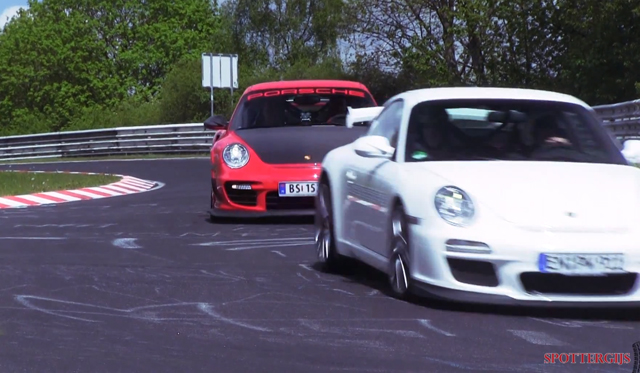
[307, 91]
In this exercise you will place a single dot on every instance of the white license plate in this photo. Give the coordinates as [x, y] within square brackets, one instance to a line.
[581, 264]
[302, 189]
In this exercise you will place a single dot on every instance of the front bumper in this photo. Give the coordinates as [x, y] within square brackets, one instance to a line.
[507, 272]
[258, 214]
[243, 195]
[464, 296]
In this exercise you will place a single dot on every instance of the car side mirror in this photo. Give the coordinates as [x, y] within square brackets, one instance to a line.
[628, 143]
[216, 123]
[631, 150]
[362, 116]
[374, 147]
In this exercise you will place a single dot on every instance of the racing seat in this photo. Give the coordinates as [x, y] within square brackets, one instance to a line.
[435, 121]
[272, 113]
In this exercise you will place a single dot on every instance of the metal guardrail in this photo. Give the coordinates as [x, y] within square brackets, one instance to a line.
[190, 138]
[622, 119]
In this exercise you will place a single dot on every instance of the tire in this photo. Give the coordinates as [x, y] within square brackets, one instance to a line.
[212, 218]
[211, 199]
[399, 275]
[326, 254]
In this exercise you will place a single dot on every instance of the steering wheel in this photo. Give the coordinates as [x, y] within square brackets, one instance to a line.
[557, 152]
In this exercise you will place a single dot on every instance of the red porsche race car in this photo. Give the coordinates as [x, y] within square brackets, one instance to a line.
[265, 161]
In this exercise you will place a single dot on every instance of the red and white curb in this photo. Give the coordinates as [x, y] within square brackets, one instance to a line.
[126, 185]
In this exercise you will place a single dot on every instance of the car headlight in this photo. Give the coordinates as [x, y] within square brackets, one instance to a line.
[454, 206]
[235, 155]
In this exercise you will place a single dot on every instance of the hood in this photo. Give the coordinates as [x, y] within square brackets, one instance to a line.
[552, 196]
[282, 145]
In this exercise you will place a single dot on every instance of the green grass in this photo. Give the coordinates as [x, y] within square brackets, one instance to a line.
[16, 183]
[114, 157]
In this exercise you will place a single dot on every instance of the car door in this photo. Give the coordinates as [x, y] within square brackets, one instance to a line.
[366, 192]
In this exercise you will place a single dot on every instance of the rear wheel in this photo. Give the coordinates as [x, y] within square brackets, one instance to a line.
[399, 275]
[326, 253]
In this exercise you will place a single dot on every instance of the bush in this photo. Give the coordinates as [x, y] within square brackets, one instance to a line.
[26, 122]
[182, 98]
[129, 113]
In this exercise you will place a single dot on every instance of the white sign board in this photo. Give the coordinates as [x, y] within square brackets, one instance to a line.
[219, 70]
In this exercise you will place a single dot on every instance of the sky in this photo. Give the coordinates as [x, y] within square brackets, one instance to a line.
[9, 8]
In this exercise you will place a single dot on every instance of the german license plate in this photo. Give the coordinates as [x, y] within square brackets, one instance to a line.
[581, 264]
[293, 189]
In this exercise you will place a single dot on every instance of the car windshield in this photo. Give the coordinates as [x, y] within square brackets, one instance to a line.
[507, 130]
[298, 107]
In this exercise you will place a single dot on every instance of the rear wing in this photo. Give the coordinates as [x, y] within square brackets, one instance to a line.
[366, 114]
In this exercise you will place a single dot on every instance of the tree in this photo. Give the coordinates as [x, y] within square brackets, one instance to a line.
[50, 64]
[182, 98]
[283, 33]
[455, 42]
[600, 56]
[69, 64]
[61, 56]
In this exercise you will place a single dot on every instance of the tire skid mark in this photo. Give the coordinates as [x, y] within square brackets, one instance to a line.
[537, 338]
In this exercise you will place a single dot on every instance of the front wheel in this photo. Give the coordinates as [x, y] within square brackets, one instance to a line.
[212, 199]
[212, 202]
[399, 275]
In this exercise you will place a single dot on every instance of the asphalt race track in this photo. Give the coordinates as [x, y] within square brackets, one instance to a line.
[145, 283]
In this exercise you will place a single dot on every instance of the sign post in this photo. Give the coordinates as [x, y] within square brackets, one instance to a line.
[219, 71]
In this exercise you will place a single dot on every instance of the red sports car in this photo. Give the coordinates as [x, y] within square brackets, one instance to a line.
[265, 161]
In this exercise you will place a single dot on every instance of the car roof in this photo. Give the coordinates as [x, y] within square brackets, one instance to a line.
[306, 83]
[451, 93]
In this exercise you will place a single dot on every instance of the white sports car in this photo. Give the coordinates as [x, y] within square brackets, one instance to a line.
[491, 195]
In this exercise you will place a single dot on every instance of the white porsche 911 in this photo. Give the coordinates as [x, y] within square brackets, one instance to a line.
[489, 195]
